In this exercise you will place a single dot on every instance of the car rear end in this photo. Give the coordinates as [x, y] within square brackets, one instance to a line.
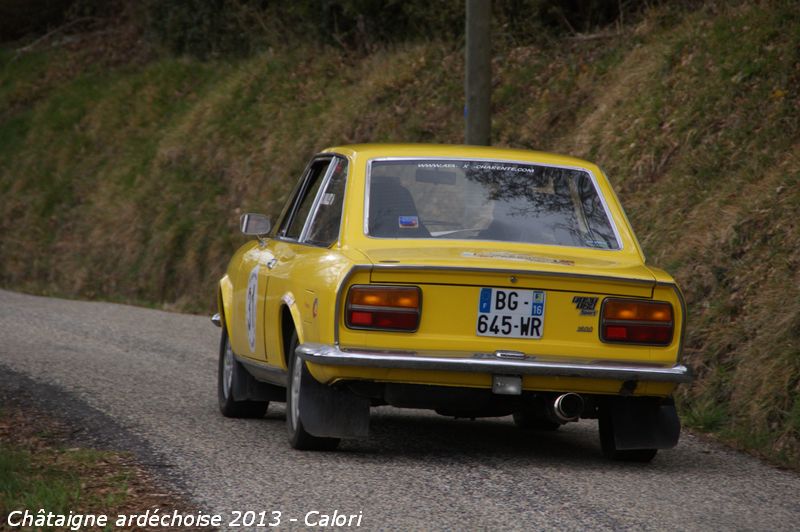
[496, 287]
[468, 326]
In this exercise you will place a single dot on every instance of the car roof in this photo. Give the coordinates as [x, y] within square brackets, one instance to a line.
[374, 151]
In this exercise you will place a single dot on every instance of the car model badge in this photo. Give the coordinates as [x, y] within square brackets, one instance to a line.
[586, 305]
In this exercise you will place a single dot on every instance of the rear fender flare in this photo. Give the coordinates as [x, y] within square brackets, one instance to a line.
[291, 319]
[225, 301]
[290, 303]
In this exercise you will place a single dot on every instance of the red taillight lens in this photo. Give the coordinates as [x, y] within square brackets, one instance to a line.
[637, 322]
[390, 308]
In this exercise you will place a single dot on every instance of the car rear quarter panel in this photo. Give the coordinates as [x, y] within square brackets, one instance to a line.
[226, 301]
[307, 288]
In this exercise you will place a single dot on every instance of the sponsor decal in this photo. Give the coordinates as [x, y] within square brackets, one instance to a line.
[408, 222]
[501, 168]
[515, 257]
[436, 165]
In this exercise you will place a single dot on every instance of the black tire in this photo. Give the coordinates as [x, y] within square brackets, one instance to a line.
[528, 421]
[609, 447]
[227, 381]
[298, 437]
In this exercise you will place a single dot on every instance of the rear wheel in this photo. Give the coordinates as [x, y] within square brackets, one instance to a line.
[609, 447]
[298, 437]
[231, 374]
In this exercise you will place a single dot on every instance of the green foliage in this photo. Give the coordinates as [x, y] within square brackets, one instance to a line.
[198, 27]
[706, 416]
[24, 484]
[36, 473]
[793, 422]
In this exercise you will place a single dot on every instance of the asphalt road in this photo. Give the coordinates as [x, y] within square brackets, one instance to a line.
[145, 380]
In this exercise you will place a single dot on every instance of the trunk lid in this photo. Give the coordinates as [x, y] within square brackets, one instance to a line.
[475, 266]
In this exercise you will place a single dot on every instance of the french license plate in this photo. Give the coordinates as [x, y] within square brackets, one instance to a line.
[511, 313]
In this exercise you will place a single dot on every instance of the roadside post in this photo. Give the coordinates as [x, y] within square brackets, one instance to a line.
[478, 73]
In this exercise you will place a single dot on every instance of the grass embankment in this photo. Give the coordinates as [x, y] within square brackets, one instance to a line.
[42, 469]
[55, 480]
[123, 181]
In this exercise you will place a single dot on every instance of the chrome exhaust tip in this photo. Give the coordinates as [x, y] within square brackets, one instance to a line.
[568, 407]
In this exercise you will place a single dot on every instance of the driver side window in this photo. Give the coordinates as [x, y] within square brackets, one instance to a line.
[324, 228]
[292, 226]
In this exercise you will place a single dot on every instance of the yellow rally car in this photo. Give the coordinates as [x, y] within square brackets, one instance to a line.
[469, 280]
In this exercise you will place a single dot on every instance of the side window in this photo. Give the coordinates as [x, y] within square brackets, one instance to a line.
[324, 229]
[286, 213]
[305, 201]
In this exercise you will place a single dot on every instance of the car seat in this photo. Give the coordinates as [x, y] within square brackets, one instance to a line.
[388, 202]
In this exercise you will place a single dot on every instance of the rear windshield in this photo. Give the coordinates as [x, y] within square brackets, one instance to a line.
[480, 200]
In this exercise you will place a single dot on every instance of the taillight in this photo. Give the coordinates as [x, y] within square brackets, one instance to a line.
[388, 308]
[637, 322]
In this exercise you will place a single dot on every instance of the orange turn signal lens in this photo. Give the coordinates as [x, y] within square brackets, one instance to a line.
[621, 309]
[385, 296]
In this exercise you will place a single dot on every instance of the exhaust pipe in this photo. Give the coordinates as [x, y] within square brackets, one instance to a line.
[568, 407]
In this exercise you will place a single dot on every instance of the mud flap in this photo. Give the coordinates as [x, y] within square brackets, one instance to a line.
[644, 423]
[331, 412]
[245, 387]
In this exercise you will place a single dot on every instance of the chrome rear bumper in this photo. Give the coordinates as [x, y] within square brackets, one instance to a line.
[499, 363]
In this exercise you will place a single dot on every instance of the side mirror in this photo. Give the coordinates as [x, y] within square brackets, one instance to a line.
[253, 224]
